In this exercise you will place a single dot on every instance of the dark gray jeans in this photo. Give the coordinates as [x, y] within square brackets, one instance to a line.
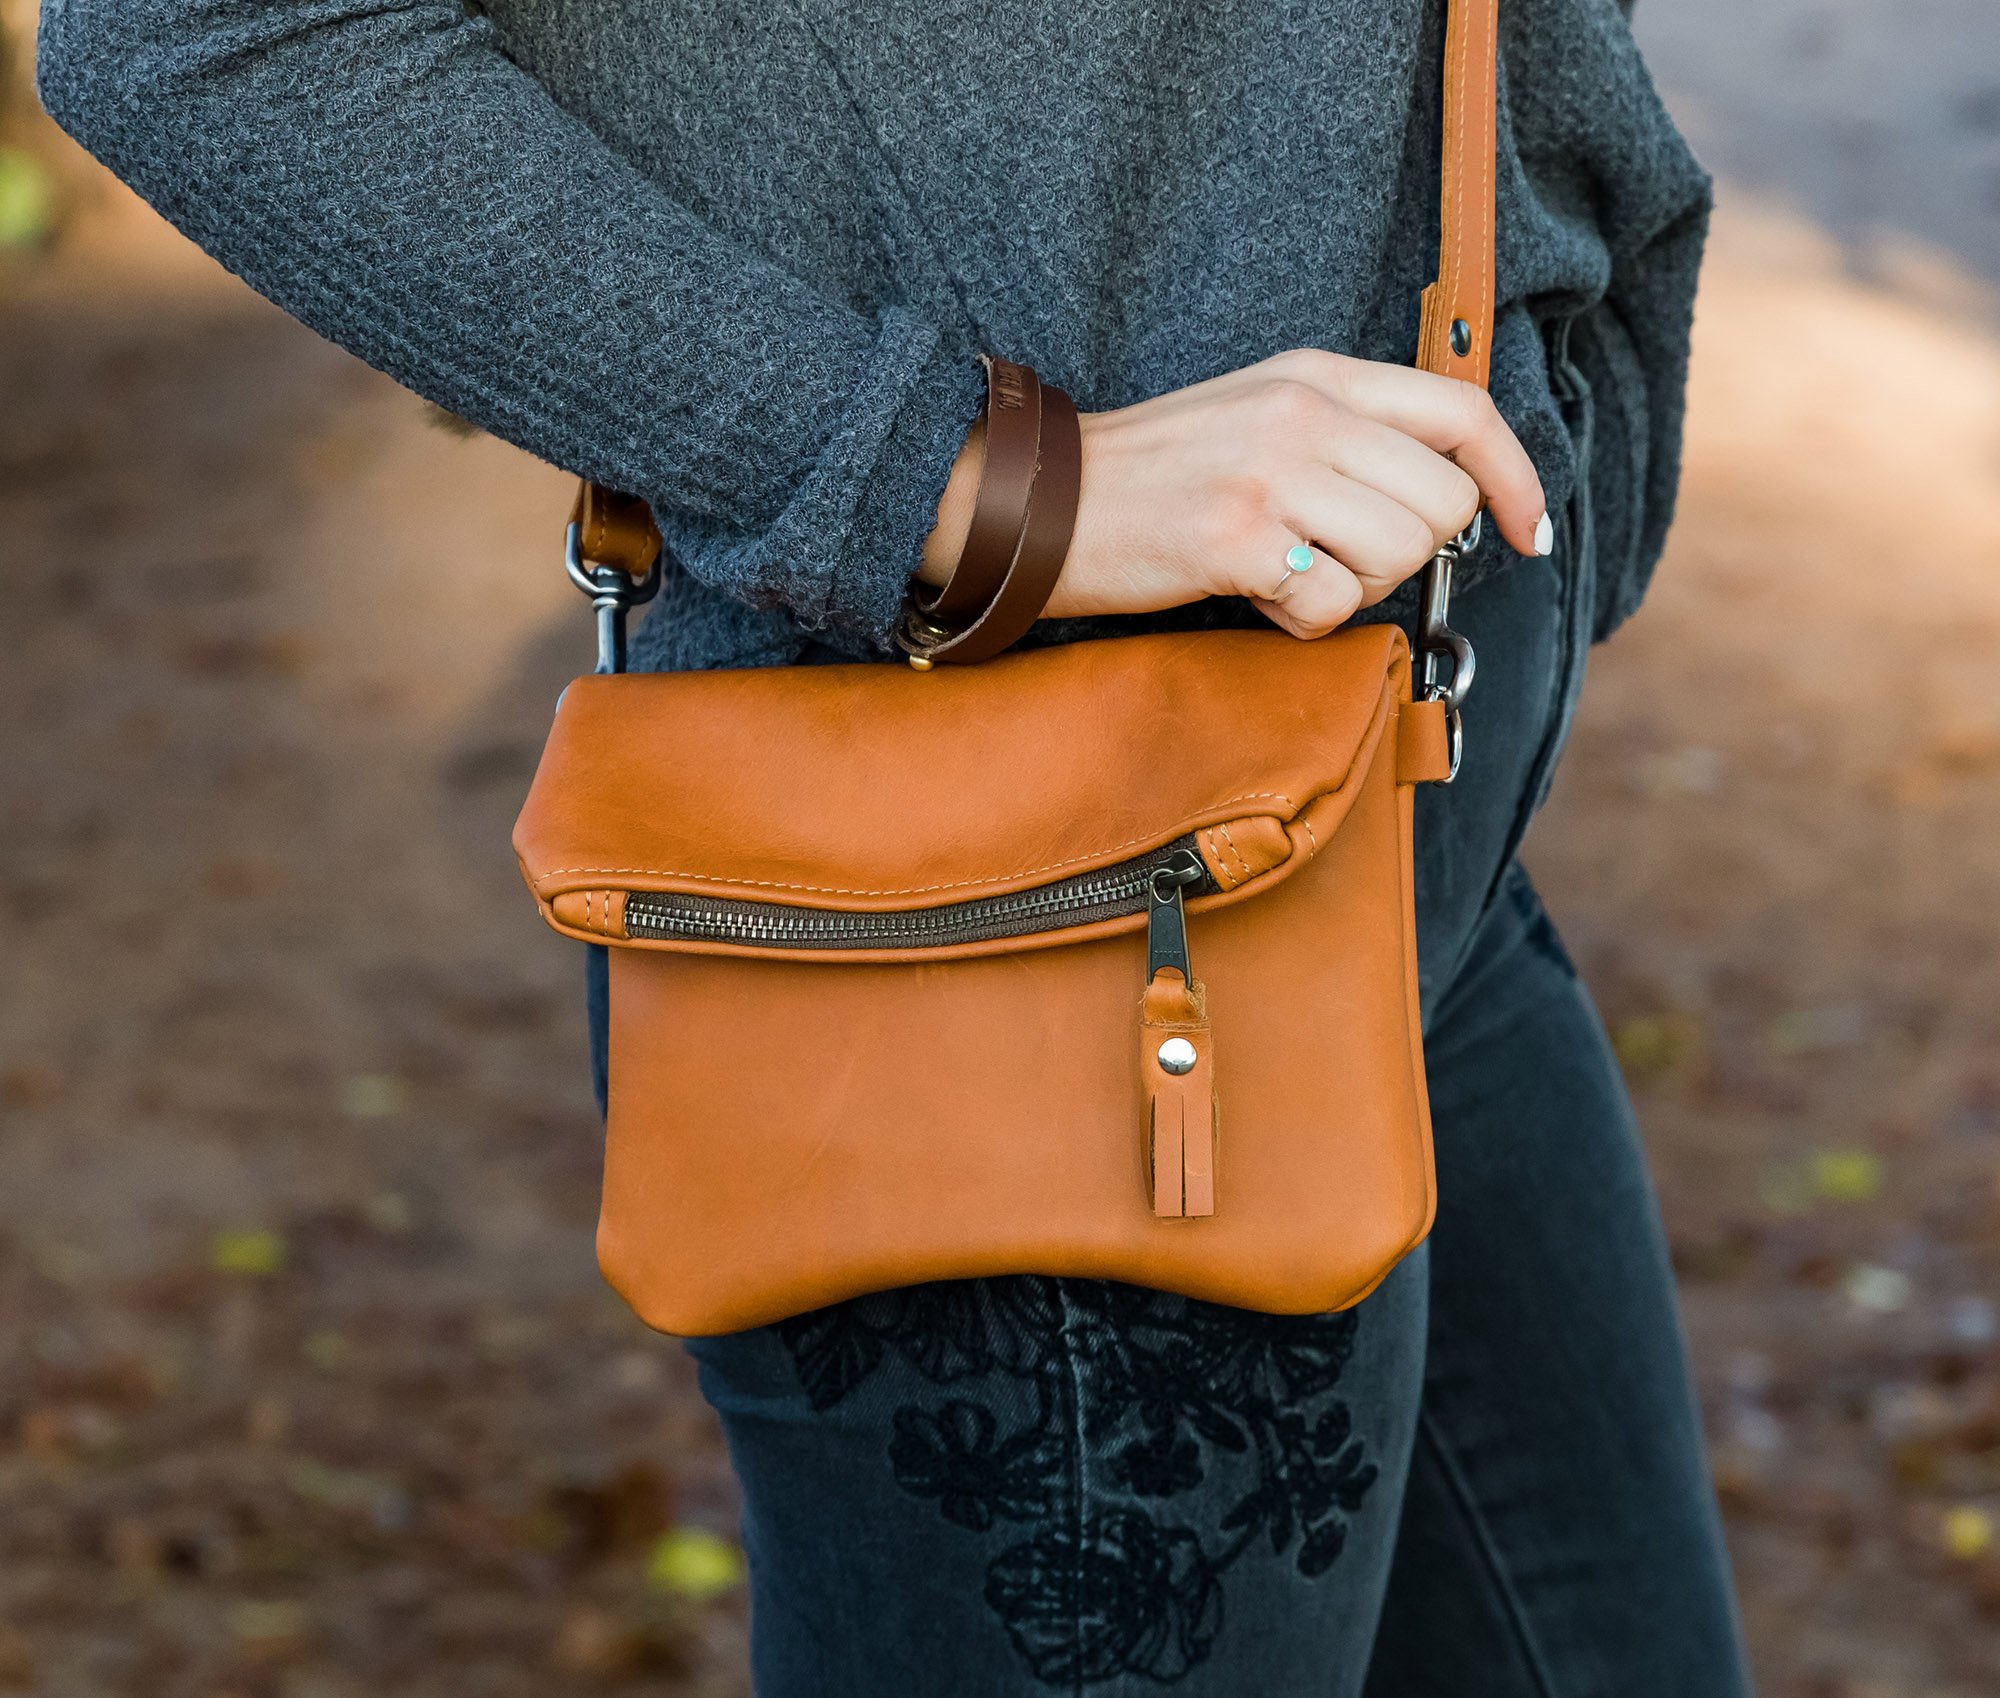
[1486, 1481]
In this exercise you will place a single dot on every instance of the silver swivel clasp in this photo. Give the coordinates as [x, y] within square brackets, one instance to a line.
[613, 594]
[1438, 643]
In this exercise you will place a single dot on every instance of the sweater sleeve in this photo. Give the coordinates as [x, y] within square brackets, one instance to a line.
[385, 173]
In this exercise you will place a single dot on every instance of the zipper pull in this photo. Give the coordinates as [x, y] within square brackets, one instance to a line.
[1176, 1053]
[1166, 918]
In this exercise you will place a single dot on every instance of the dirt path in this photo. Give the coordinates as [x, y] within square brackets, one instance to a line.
[1774, 851]
[1880, 119]
[307, 1384]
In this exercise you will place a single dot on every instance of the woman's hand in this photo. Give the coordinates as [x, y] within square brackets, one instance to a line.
[1202, 491]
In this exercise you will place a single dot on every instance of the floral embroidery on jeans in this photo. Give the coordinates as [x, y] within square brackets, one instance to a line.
[1167, 1395]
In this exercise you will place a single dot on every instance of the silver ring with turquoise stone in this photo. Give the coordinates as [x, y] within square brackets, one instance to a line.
[1298, 558]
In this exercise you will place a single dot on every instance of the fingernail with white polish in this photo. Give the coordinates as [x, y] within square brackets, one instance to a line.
[1545, 535]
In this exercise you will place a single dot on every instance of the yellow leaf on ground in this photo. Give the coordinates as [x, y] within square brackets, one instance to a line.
[1968, 1532]
[27, 200]
[1650, 1046]
[256, 1253]
[1846, 1176]
[691, 1562]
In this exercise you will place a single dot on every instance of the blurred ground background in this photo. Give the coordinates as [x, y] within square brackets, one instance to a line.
[307, 1385]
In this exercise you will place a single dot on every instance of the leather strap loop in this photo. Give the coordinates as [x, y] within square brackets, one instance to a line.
[1012, 451]
[615, 530]
[1044, 546]
[1423, 743]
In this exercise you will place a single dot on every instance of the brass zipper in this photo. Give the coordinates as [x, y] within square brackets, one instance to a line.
[1107, 893]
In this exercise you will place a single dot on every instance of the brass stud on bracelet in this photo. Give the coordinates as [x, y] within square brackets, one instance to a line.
[916, 636]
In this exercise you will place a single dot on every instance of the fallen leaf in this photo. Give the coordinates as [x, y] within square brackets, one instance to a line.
[691, 1562]
[254, 1253]
[27, 200]
[1967, 1532]
[1846, 1176]
[1651, 1046]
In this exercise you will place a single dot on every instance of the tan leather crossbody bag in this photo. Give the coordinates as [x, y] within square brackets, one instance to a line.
[1095, 960]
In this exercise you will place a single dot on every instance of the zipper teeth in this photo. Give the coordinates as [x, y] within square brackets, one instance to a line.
[1107, 893]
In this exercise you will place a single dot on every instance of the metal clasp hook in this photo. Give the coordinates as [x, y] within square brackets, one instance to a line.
[613, 594]
[1438, 642]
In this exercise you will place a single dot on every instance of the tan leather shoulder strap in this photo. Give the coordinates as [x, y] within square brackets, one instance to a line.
[1457, 330]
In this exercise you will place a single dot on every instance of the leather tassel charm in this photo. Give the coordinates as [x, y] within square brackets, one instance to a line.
[1177, 1065]
[1176, 1054]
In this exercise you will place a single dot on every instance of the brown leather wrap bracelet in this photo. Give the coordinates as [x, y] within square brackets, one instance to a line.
[1016, 602]
[1006, 480]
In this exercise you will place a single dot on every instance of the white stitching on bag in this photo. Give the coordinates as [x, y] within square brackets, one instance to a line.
[907, 890]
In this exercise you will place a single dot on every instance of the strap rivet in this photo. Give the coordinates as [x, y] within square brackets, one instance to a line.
[1178, 1056]
[1461, 337]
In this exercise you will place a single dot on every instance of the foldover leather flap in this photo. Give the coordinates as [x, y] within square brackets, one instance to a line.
[872, 788]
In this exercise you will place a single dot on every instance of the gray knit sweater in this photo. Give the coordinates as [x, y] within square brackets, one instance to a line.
[738, 255]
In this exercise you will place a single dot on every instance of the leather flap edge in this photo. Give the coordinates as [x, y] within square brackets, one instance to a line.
[874, 788]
